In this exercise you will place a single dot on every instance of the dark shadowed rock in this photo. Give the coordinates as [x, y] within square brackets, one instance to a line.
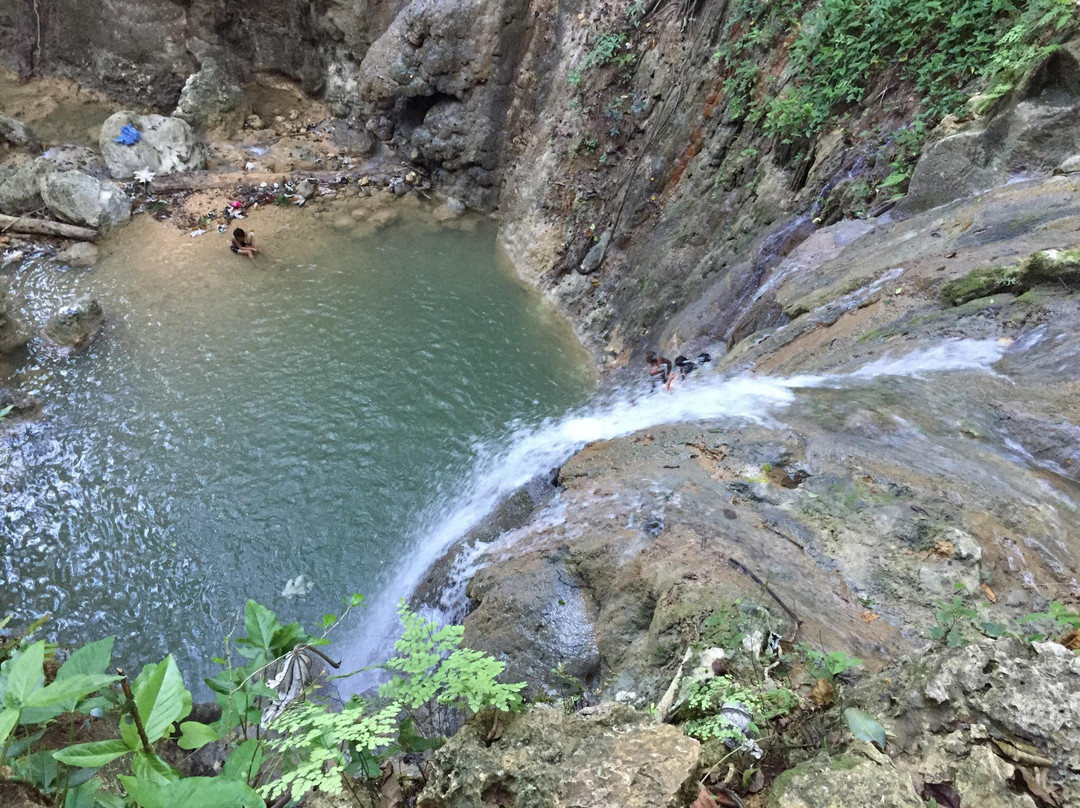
[23, 405]
[602, 757]
[13, 332]
[20, 191]
[18, 134]
[75, 324]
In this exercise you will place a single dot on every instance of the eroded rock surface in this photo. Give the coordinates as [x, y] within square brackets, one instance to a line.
[210, 101]
[166, 146]
[84, 200]
[75, 324]
[603, 756]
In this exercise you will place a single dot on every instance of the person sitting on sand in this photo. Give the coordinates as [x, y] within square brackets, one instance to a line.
[660, 366]
[243, 243]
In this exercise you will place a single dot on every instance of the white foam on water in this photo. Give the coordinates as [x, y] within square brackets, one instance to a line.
[527, 451]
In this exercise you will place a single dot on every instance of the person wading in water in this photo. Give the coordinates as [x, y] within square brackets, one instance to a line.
[660, 366]
[243, 243]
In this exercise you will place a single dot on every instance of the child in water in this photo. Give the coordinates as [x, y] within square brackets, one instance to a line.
[660, 366]
[243, 243]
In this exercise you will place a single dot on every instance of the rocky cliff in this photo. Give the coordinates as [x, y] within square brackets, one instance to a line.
[670, 175]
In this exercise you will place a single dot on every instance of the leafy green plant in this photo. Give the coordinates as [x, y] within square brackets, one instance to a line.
[843, 46]
[955, 622]
[312, 744]
[1057, 618]
[830, 665]
[710, 719]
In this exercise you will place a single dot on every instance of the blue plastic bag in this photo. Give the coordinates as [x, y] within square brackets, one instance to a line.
[129, 135]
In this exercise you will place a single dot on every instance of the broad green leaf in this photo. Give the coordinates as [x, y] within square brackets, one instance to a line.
[84, 796]
[260, 623]
[161, 698]
[25, 674]
[148, 766]
[73, 778]
[196, 735]
[244, 762]
[8, 719]
[864, 726]
[94, 657]
[92, 755]
[39, 768]
[107, 800]
[20, 746]
[200, 792]
[67, 690]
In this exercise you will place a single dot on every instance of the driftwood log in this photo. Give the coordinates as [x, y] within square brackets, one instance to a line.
[45, 227]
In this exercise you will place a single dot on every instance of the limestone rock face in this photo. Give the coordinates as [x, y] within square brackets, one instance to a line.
[1036, 133]
[84, 200]
[168, 145]
[603, 756]
[444, 72]
[210, 101]
[985, 721]
[844, 782]
[20, 192]
[18, 133]
[75, 324]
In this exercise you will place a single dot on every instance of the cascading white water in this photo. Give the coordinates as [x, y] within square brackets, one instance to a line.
[528, 451]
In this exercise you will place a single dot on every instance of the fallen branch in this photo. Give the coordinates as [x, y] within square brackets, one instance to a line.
[45, 227]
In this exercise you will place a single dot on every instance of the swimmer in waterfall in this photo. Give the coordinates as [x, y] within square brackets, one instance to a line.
[244, 243]
[660, 366]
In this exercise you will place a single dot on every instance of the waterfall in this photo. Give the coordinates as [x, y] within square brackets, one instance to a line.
[527, 451]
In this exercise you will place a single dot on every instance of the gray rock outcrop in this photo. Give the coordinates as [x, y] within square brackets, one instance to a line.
[22, 404]
[210, 101]
[167, 145]
[20, 191]
[848, 781]
[70, 157]
[18, 133]
[603, 756]
[1036, 134]
[75, 324]
[84, 200]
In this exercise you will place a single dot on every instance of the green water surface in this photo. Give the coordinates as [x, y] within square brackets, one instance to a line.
[241, 424]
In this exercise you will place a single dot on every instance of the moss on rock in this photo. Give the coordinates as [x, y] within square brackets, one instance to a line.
[983, 282]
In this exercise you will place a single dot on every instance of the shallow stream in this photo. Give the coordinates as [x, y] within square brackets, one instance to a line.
[242, 423]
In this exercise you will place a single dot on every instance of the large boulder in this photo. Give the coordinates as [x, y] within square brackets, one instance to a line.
[13, 332]
[847, 781]
[18, 133]
[84, 200]
[20, 191]
[994, 722]
[75, 324]
[603, 756]
[166, 146]
[1037, 131]
[70, 157]
[209, 101]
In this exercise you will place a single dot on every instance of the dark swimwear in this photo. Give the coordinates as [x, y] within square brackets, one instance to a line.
[234, 248]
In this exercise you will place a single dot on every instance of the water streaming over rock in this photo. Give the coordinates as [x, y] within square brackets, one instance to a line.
[527, 451]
